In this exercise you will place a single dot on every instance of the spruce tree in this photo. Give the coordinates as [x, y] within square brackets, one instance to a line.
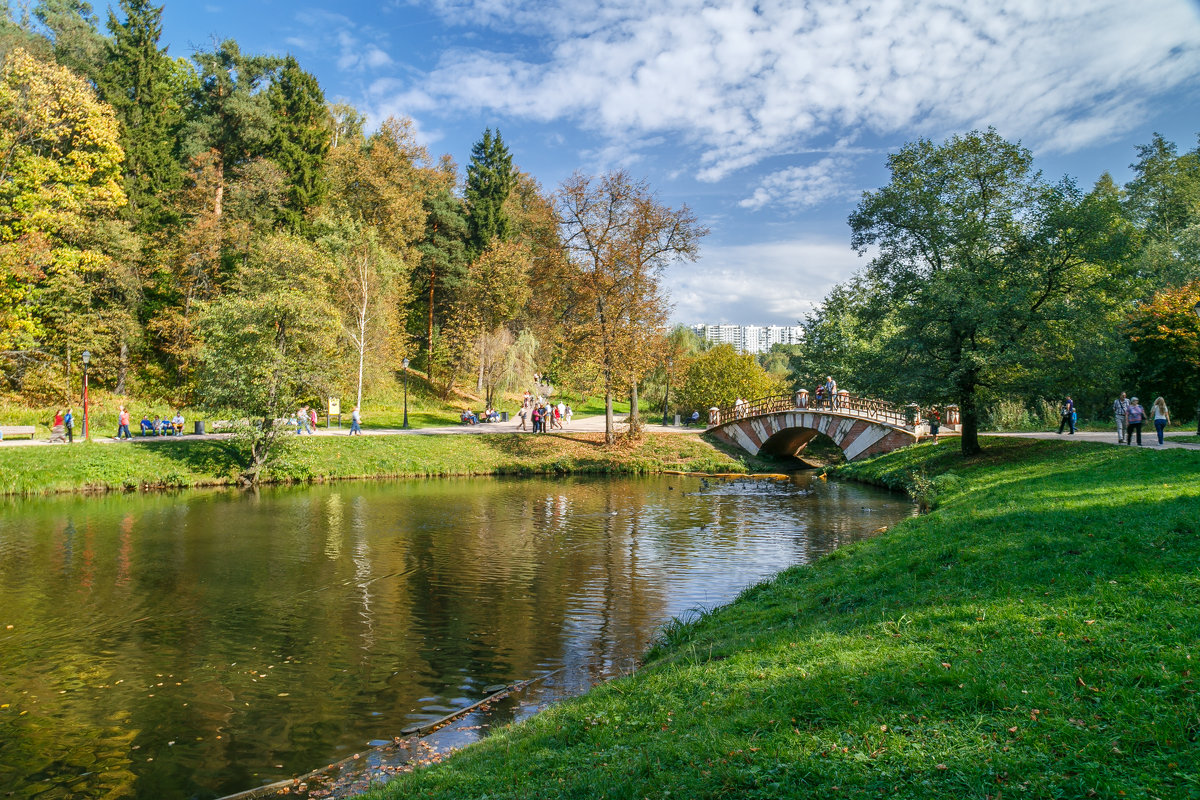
[301, 138]
[137, 82]
[490, 179]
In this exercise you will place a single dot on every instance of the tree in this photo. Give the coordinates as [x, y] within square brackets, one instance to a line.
[269, 346]
[441, 270]
[490, 179]
[301, 138]
[720, 375]
[979, 261]
[1163, 201]
[619, 239]
[78, 46]
[231, 113]
[60, 175]
[1165, 336]
[142, 84]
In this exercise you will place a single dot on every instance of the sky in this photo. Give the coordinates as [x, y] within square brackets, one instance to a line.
[769, 119]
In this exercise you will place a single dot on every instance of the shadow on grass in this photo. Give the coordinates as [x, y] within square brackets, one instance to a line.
[209, 457]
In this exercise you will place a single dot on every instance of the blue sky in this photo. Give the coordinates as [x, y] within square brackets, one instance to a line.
[768, 118]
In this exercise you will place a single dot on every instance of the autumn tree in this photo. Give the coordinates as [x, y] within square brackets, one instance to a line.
[59, 180]
[1165, 336]
[619, 239]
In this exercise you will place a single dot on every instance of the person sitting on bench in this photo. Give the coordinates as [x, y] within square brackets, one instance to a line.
[147, 426]
[177, 423]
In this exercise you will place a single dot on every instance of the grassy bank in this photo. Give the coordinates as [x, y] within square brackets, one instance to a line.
[169, 463]
[1034, 636]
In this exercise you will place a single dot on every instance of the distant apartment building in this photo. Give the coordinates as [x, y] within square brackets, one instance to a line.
[751, 338]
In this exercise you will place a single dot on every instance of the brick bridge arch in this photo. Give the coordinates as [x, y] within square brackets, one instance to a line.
[783, 425]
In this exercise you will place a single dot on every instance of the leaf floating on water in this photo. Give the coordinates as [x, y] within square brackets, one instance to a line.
[282, 694]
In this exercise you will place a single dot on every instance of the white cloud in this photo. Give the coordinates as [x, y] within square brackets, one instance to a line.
[830, 178]
[744, 81]
[356, 52]
[776, 282]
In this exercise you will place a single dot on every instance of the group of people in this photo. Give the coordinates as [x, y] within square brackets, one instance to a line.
[64, 424]
[1130, 417]
[161, 426]
[542, 414]
[469, 417]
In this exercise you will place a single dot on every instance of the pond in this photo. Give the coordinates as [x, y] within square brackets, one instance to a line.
[194, 644]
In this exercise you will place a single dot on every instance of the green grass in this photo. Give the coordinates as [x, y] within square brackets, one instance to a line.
[169, 463]
[1185, 439]
[1037, 635]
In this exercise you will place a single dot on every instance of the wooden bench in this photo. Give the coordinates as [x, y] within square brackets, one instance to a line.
[17, 430]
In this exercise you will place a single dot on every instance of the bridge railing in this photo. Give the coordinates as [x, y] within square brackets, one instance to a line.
[844, 403]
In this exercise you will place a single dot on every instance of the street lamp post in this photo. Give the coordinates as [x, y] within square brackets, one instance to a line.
[667, 396]
[404, 364]
[87, 428]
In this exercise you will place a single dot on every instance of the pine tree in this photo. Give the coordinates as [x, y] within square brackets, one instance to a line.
[137, 81]
[490, 179]
[302, 137]
[442, 270]
[78, 46]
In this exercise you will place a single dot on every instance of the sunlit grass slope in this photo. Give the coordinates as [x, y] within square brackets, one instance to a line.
[1037, 635]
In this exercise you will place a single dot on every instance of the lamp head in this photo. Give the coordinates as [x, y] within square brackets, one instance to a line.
[404, 363]
[87, 357]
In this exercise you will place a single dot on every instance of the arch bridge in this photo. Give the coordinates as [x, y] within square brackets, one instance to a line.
[784, 425]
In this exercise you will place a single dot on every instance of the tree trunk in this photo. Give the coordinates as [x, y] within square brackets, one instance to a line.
[634, 417]
[123, 368]
[968, 410]
[609, 438]
[429, 340]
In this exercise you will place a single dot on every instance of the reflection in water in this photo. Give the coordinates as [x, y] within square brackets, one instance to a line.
[196, 644]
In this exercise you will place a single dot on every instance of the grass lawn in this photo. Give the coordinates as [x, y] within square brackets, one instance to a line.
[1036, 635]
[195, 462]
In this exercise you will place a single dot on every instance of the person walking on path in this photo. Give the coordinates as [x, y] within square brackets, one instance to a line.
[523, 414]
[1120, 411]
[355, 419]
[69, 425]
[1068, 415]
[1162, 418]
[1134, 417]
[123, 424]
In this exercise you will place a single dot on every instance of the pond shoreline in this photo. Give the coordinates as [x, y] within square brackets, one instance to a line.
[166, 466]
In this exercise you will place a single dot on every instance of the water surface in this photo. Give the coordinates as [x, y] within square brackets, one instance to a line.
[195, 644]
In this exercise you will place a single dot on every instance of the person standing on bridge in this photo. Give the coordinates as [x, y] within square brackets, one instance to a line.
[1068, 416]
[1120, 411]
[831, 392]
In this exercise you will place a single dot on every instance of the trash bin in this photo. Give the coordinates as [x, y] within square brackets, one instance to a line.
[198, 427]
[677, 420]
[504, 416]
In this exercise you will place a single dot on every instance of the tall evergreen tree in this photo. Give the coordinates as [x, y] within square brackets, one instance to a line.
[138, 82]
[301, 138]
[232, 114]
[442, 269]
[490, 179]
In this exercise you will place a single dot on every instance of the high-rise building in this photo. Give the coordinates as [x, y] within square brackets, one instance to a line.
[751, 338]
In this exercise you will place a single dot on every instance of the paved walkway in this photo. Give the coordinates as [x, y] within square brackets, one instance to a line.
[1149, 438]
[578, 425]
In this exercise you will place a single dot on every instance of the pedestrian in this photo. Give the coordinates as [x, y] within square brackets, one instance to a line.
[1120, 410]
[1067, 414]
[312, 418]
[301, 419]
[523, 413]
[567, 416]
[69, 425]
[1162, 417]
[123, 423]
[831, 392]
[935, 421]
[1134, 417]
[355, 419]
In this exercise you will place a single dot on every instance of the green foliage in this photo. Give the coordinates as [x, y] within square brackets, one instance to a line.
[490, 179]
[1163, 201]
[721, 375]
[301, 137]
[1165, 336]
[144, 87]
[986, 271]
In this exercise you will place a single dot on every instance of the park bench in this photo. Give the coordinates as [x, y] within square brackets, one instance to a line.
[17, 430]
